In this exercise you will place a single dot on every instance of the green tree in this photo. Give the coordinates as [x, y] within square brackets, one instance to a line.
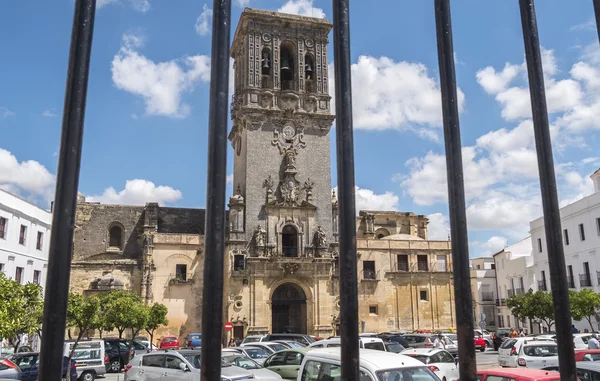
[584, 304]
[119, 309]
[520, 305]
[157, 316]
[21, 309]
[82, 314]
[541, 307]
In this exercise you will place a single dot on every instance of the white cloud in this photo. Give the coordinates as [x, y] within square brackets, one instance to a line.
[395, 95]
[49, 113]
[138, 192]
[439, 227]
[203, 23]
[103, 3]
[230, 178]
[6, 112]
[494, 82]
[161, 84]
[25, 177]
[302, 8]
[138, 5]
[366, 199]
[493, 245]
[242, 3]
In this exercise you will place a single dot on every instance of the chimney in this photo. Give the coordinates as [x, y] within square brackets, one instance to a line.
[596, 179]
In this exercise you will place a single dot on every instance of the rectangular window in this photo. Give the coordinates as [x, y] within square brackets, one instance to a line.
[598, 225]
[493, 266]
[423, 295]
[369, 270]
[373, 310]
[566, 233]
[22, 235]
[540, 245]
[581, 232]
[422, 263]
[3, 227]
[181, 272]
[239, 263]
[40, 241]
[442, 265]
[402, 262]
[19, 275]
[36, 276]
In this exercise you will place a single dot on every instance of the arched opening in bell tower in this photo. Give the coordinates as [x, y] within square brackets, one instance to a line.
[289, 241]
[309, 67]
[266, 68]
[286, 66]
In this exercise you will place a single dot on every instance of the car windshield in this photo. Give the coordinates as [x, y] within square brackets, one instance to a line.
[501, 332]
[256, 353]
[407, 374]
[451, 336]
[242, 362]
[295, 344]
[540, 350]
[277, 347]
[374, 345]
[251, 339]
[394, 347]
[169, 339]
[424, 359]
[195, 337]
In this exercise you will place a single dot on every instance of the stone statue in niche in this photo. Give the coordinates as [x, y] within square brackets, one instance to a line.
[308, 187]
[290, 158]
[269, 183]
[320, 237]
[260, 236]
[289, 192]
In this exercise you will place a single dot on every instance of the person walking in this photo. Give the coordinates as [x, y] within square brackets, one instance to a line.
[438, 343]
[575, 330]
[521, 332]
[231, 343]
[512, 333]
[593, 342]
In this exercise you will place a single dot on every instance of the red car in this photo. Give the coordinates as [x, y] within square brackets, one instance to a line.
[587, 355]
[168, 342]
[518, 375]
[479, 343]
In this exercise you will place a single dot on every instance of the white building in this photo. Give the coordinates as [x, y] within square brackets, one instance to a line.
[24, 239]
[515, 274]
[580, 222]
[483, 288]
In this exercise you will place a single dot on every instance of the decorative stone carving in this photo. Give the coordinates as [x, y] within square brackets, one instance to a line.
[320, 237]
[260, 236]
[269, 184]
[308, 187]
[285, 136]
[289, 190]
[289, 268]
[370, 223]
[290, 159]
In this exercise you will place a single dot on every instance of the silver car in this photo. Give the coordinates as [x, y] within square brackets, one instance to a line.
[244, 362]
[182, 365]
[9, 370]
[255, 353]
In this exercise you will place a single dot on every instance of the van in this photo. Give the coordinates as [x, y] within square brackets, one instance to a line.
[89, 358]
[365, 342]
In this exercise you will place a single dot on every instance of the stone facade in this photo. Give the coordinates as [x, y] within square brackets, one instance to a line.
[281, 260]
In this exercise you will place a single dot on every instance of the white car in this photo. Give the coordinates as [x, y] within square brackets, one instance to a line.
[365, 342]
[441, 362]
[269, 346]
[509, 350]
[255, 353]
[325, 364]
[250, 365]
[538, 354]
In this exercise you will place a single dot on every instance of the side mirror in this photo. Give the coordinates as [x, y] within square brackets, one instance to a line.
[183, 367]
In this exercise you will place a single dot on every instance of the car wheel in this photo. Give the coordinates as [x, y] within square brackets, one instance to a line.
[115, 366]
[87, 376]
[482, 349]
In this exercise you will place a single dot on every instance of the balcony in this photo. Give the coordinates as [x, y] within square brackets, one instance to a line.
[519, 291]
[511, 293]
[585, 280]
[500, 302]
[180, 278]
[335, 272]
[400, 267]
[542, 285]
[369, 276]
[290, 251]
[311, 86]
[288, 85]
[487, 296]
[266, 82]
[422, 266]
[570, 282]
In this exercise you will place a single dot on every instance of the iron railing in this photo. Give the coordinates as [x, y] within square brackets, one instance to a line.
[288, 84]
[511, 293]
[487, 296]
[500, 302]
[369, 275]
[542, 285]
[61, 243]
[519, 291]
[585, 280]
[422, 266]
[400, 267]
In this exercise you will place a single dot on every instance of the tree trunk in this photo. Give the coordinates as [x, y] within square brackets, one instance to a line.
[121, 330]
[589, 319]
[79, 336]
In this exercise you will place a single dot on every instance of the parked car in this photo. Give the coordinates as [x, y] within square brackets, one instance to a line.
[304, 339]
[538, 354]
[119, 353]
[486, 336]
[440, 362]
[509, 350]
[286, 363]
[394, 337]
[9, 370]
[587, 355]
[419, 340]
[499, 336]
[267, 345]
[517, 375]
[586, 371]
[168, 342]
[324, 364]
[28, 364]
[255, 353]
[479, 343]
[364, 342]
[194, 340]
[89, 357]
[250, 365]
[392, 346]
[252, 339]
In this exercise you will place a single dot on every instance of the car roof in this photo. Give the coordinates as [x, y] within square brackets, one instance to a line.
[587, 350]
[538, 374]
[368, 358]
[588, 365]
[422, 351]
[301, 350]
[540, 342]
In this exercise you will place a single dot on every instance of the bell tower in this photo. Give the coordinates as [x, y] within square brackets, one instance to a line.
[281, 113]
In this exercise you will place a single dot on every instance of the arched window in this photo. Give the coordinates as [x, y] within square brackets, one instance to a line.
[286, 66]
[266, 66]
[115, 237]
[289, 241]
[380, 233]
[309, 66]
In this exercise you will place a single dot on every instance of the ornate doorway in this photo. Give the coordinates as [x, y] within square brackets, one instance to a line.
[288, 306]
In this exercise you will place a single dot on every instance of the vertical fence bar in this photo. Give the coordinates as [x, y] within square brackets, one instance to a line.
[456, 194]
[543, 143]
[346, 190]
[597, 14]
[65, 198]
[214, 242]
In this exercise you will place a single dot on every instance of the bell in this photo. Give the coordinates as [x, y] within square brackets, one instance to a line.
[285, 64]
[308, 68]
[265, 63]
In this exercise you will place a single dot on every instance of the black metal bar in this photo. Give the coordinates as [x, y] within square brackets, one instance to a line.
[65, 198]
[456, 194]
[214, 241]
[346, 190]
[554, 243]
[597, 14]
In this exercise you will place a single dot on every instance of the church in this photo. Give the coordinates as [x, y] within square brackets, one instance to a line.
[281, 260]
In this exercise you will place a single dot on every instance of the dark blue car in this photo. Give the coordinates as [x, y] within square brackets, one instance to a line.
[28, 363]
[194, 340]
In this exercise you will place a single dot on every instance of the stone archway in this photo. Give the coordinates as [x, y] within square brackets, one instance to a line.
[288, 309]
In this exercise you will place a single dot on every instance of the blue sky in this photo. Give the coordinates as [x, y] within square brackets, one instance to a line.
[146, 120]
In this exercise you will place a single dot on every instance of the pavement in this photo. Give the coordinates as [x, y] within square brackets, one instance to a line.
[485, 360]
